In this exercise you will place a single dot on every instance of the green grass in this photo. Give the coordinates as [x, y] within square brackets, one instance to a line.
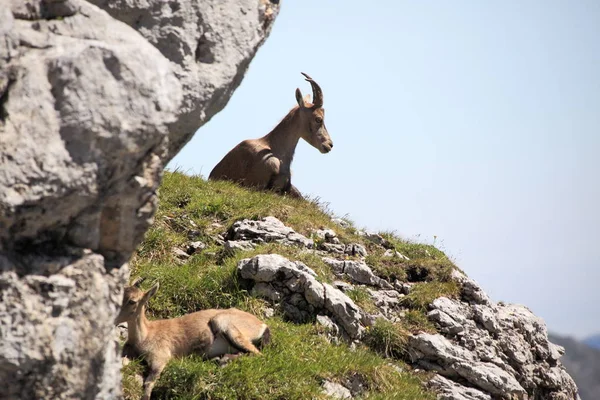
[300, 357]
[293, 367]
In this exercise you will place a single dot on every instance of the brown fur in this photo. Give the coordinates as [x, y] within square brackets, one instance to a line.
[210, 333]
[265, 163]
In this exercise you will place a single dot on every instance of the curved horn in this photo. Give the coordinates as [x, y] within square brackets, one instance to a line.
[317, 92]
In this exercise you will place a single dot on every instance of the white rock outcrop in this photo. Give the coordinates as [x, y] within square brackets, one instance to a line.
[295, 286]
[91, 110]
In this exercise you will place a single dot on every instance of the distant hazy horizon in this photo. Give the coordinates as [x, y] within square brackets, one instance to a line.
[474, 122]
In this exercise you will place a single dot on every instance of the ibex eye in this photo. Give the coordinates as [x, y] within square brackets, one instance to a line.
[132, 302]
[319, 120]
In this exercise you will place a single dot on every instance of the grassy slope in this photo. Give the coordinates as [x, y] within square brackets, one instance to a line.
[300, 357]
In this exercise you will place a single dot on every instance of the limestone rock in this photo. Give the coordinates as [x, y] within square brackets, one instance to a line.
[358, 271]
[341, 222]
[195, 247]
[356, 249]
[45, 350]
[394, 253]
[499, 349]
[235, 245]
[335, 248]
[90, 113]
[327, 235]
[336, 390]
[209, 43]
[279, 279]
[269, 229]
[450, 390]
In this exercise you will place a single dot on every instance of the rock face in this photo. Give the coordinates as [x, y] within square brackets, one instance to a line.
[484, 350]
[583, 363]
[499, 350]
[294, 285]
[90, 112]
[210, 44]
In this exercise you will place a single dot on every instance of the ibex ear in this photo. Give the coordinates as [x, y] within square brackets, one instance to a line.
[151, 292]
[299, 98]
[307, 99]
[137, 281]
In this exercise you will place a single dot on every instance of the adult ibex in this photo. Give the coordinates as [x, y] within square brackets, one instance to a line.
[265, 163]
[210, 333]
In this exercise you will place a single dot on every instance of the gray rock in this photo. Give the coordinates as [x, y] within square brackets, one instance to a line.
[90, 113]
[336, 248]
[394, 253]
[437, 352]
[346, 312]
[269, 229]
[358, 271]
[40, 326]
[195, 247]
[292, 278]
[177, 252]
[471, 291]
[335, 390]
[447, 389]
[387, 301]
[374, 237]
[238, 245]
[209, 52]
[499, 349]
[355, 249]
[341, 222]
[403, 287]
[327, 235]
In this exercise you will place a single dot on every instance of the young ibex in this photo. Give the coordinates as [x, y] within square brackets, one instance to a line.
[265, 163]
[210, 333]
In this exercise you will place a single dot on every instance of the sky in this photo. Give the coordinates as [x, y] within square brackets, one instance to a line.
[472, 124]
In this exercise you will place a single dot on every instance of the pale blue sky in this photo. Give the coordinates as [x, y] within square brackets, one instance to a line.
[478, 122]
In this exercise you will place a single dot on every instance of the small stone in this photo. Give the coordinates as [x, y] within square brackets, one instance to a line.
[333, 248]
[341, 222]
[268, 312]
[355, 249]
[238, 245]
[180, 253]
[336, 391]
[394, 253]
[195, 247]
[326, 234]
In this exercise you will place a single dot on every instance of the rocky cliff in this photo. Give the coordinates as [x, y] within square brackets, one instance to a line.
[94, 101]
[583, 363]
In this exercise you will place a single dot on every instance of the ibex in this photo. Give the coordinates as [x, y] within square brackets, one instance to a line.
[265, 163]
[210, 333]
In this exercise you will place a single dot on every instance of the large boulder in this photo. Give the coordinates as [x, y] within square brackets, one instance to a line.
[210, 44]
[91, 110]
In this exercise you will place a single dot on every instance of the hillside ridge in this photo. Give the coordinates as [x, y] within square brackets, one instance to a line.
[353, 313]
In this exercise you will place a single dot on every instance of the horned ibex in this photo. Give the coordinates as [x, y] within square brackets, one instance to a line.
[210, 333]
[265, 163]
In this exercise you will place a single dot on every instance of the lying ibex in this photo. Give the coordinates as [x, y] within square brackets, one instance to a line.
[265, 163]
[210, 333]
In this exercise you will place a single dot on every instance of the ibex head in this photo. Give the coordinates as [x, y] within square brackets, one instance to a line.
[313, 118]
[134, 300]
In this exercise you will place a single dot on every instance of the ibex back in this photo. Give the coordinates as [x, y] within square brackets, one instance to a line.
[210, 333]
[265, 163]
